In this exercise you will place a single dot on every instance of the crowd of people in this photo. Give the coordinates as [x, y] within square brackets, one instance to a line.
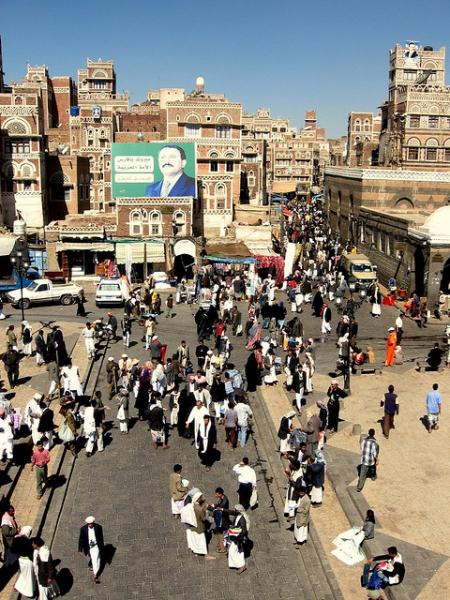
[202, 396]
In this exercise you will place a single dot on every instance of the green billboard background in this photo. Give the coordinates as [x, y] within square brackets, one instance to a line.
[135, 166]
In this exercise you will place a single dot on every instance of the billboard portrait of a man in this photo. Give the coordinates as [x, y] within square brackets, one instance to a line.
[175, 182]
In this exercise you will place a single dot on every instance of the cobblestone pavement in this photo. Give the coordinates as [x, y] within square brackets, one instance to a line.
[126, 488]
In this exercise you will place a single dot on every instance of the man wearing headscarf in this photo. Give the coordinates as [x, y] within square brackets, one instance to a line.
[10, 529]
[238, 537]
[26, 338]
[26, 583]
[334, 394]
[196, 534]
[90, 543]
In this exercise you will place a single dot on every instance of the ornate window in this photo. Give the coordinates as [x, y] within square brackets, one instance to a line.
[431, 150]
[366, 125]
[155, 223]
[223, 132]
[17, 127]
[179, 220]
[357, 125]
[251, 180]
[447, 150]
[135, 222]
[221, 196]
[413, 149]
[192, 130]
[223, 119]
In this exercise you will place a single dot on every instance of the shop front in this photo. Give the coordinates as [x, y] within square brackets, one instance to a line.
[139, 258]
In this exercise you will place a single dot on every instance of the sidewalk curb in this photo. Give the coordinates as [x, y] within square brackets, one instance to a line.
[280, 484]
[354, 507]
[46, 521]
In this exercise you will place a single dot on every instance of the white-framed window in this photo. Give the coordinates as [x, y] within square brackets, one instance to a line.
[251, 179]
[221, 195]
[155, 223]
[179, 219]
[135, 222]
[192, 130]
[223, 132]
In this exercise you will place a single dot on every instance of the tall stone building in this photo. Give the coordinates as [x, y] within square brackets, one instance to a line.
[22, 145]
[93, 123]
[363, 134]
[214, 123]
[392, 207]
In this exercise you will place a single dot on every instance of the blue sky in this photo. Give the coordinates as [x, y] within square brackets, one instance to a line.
[288, 55]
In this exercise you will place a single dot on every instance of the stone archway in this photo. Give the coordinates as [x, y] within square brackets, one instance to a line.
[445, 281]
[419, 271]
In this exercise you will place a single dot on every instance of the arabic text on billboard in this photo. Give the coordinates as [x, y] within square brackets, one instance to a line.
[157, 169]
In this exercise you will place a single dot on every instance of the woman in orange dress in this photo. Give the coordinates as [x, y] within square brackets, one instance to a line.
[390, 347]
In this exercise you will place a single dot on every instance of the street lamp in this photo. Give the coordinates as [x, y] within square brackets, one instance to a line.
[21, 265]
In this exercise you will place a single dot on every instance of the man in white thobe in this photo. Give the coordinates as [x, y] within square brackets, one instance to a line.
[196, 416]
[90, 544]
[33, 413]
[6, 437]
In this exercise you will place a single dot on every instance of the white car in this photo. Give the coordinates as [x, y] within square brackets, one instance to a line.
[109, 292]
[43, 291]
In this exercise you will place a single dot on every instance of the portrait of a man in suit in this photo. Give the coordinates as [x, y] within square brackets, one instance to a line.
[175, 182]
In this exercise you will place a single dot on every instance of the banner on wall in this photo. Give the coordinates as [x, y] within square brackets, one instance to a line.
[156, 170]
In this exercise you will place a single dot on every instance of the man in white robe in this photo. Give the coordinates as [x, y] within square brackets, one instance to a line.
[33, 413]
[196, 416]
[6, 437]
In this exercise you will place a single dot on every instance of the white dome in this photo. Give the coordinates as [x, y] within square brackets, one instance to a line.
[438, 223]
[437, 226]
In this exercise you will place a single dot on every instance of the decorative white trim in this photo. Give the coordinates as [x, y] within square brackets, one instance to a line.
[19, 110]
[144, 201]
[390, 175]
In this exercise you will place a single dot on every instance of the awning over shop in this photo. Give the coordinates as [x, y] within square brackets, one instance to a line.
[234, 250]
[226, 259]
[7, 243]
[137, 252]
[283, 187]
[93, 246]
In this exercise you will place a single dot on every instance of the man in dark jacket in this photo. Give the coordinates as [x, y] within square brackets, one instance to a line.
[90, 543]
[200, 352]
[41, 349]
[221, 517]
[112, 323]
[156, 422]
[11, 359]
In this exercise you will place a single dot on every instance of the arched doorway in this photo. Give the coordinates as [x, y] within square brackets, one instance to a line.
[419, 269]
[445, 281]
[184, 252]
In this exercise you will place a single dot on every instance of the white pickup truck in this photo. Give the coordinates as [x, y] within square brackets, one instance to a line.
[43, 291]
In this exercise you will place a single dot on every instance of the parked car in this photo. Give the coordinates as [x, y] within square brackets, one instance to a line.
[109, 291]
[43, 291]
